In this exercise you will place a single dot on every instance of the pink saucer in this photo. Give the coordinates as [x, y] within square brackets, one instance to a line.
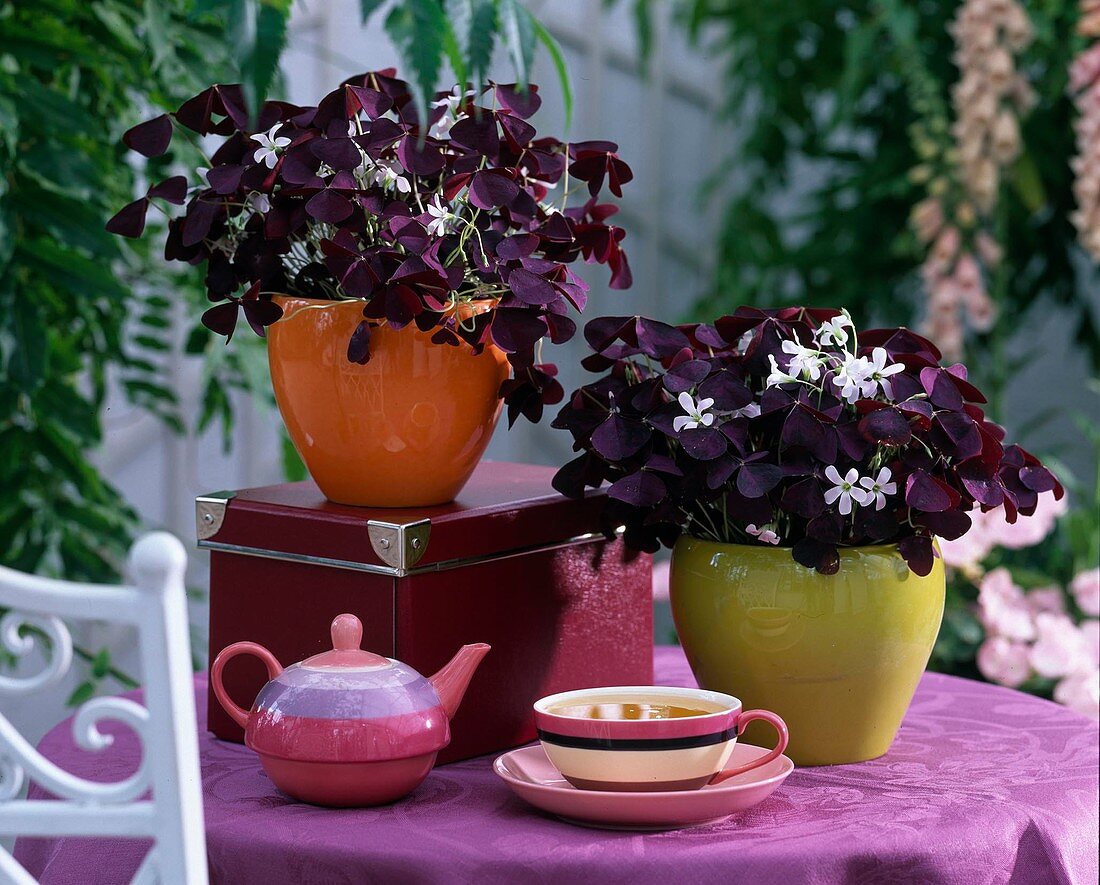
[534, 778]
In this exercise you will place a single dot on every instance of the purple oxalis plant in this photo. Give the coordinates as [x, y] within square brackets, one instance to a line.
[356, 199]
[787, 427]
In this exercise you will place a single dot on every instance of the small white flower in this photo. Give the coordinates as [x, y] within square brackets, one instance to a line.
[752, 410]
[456, 98]
[763, 533]
[388, 175]
[879, 488]
[549, 185]
[878, 374]
[845, 488]
[270, 146]
[443, 219]
[834, 331]
[851, 376]
[697, 414]
[805, 361]
[259, 202]
[441, 128]
[778, 376]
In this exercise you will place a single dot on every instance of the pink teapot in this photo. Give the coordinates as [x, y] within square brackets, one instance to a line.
[347, 727]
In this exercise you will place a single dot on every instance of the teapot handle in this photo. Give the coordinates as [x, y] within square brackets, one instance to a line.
[274, 668]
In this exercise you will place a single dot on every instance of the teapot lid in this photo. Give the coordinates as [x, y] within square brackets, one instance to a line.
[346, 654]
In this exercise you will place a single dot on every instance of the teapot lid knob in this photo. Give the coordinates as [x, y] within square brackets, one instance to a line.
[347, 633]
[347, 651]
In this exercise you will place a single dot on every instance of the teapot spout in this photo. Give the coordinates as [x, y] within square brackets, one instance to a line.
[451, 682]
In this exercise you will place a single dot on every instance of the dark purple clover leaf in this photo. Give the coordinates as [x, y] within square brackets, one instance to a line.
[575, 475]
[686, 375]
[875, 525]
[339, 153]
[941, 390]
[620, 437]
[801, 429]
[198, 220]
[703, 443]
[492, 188]
[329, 206]
[887, 426]
[659, 340]
[424, 161]
[641, 489]
[948, 524]
[225, 179]
[756, 480]
[222, 318]
[956, 435]
[359, 344]
[523, 102]
[371, 101]
[1038, 479]
[827, 526]
[805, 498]
[260, 312]
[530, 288]
[129, 221]
[818, 555]
[918, 552]
[151, 138]
[929, 494]
[728, 391]
[981, 482]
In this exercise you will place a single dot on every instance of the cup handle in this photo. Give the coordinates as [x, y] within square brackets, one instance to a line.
[274, 668]
[744, 719]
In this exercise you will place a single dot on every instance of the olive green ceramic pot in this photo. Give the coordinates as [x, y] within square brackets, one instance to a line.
[837, 656]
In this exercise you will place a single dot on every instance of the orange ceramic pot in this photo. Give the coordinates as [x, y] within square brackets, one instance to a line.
[404, 430]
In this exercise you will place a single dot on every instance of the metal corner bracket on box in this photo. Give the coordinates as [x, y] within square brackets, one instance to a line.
[399, 545]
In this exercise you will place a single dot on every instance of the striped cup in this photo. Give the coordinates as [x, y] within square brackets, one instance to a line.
[636, 755]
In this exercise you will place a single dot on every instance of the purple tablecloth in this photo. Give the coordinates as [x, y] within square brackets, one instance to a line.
[982, 785]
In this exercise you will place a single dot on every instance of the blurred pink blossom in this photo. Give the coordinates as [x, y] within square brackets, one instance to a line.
[1003, 661]
[991, 530]
[1080, 692]
[660, 580]
[1047, 599]
[1061, 648]
[1090, 630]
[1086, 590]
[1002, 608]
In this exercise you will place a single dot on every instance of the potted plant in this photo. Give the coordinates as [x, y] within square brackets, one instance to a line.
[405, 273]
[801, 473]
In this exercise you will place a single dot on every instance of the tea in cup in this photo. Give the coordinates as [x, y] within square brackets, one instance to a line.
[646, 738]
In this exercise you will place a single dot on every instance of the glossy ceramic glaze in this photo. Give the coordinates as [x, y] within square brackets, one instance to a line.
[648, 755]
[404, 430]
[837, 656]
[348, 727]
[533, 777]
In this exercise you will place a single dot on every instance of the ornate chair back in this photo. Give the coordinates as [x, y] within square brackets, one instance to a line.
[156, 606]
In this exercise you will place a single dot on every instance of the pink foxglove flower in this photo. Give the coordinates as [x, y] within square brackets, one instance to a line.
[1086, 590]
[1003, 661]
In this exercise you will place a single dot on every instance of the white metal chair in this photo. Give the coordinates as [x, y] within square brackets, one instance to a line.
[156, 605]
